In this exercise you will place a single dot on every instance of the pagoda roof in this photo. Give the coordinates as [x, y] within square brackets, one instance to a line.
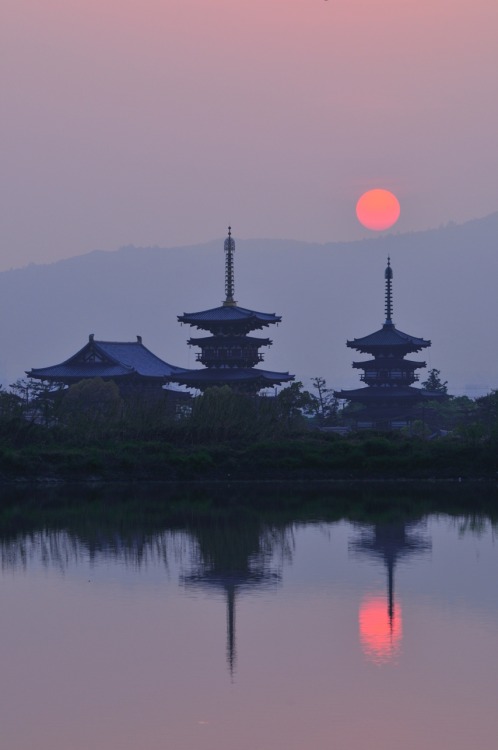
[229, 314]
[389, 337]
[370, 394]
[387, 363]
[108, 359]
[229, 341]
[230, 375]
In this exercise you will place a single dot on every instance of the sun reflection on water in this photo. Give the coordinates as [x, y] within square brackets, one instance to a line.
[381, 630]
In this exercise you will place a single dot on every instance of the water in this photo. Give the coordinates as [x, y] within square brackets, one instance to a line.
[216, 627]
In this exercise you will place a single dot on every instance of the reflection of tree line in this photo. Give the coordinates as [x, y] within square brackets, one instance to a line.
[248, 550]
[62, 549]
[228, 556]
[224, 547]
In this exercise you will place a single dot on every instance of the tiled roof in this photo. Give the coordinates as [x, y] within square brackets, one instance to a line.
[372, 393]
[229, 341]
[108, 359]
[389, 336]
[136, 356]
[229, 313]
[84, 370]
[388, 363]
[231, 375]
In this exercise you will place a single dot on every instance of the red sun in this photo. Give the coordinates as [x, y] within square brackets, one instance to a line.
[378, 209]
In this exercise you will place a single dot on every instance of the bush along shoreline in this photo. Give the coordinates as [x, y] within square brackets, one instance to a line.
[309, 457]
[93, 433]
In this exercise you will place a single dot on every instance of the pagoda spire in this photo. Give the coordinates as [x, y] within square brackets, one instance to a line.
[229, 276]
[389, 292]
[231, 648]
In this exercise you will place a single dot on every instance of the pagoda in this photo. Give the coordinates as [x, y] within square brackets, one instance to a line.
[389, 397]
[229, 354]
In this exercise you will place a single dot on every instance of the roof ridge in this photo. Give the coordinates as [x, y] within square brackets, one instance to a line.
[106, 354]
[142, 345]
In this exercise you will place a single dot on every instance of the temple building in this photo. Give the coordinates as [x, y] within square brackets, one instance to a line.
[229, 354]
[389, 399]
[130, 364]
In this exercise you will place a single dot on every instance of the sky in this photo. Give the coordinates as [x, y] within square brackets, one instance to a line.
[159, 122]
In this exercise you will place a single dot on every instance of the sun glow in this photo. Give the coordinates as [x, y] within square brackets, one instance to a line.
[378, 209]
[380, 634]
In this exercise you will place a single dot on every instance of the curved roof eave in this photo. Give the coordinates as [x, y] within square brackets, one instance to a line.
[388, 336]
[229, 313]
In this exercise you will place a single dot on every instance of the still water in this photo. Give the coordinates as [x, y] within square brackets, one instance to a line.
[218, 628]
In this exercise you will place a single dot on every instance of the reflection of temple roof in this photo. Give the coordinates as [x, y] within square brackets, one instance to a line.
[108, 359]
[390, 542]
[240, 580]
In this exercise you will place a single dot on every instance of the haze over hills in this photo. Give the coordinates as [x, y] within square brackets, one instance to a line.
[444, 289]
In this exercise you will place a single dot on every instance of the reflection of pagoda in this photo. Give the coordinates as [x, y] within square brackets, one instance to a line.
[389, 543]
[229, 353]
[232, 560]
[389, 396]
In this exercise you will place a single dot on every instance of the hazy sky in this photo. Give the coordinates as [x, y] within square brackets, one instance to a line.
[161, 121]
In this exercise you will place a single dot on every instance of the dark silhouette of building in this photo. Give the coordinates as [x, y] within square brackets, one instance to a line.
[129, 364]
[389, 397]
[229, 354]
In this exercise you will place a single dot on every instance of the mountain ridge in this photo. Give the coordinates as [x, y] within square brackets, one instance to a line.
[444, 290]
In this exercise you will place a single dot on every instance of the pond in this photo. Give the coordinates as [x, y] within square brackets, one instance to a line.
[139, 619]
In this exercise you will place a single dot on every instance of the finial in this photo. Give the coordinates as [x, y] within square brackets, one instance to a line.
[229, 275]
[389, 292]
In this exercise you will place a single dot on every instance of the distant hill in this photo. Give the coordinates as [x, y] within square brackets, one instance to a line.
[445, 289]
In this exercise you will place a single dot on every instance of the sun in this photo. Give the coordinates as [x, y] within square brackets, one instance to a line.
[378, 209]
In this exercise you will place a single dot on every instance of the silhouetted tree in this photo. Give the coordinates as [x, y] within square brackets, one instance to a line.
[293, 403]
[327, 403]
[91, 408]
[434, 382]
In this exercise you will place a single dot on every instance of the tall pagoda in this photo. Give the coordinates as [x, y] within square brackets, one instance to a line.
[389, 397]
[229, 354]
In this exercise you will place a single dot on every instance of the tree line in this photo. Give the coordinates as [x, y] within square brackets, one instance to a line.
[96, 410]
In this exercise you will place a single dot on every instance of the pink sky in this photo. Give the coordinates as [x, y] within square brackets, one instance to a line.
[161, 121]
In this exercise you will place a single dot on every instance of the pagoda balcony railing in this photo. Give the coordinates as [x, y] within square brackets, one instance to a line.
[229, 357]
[398, 377]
